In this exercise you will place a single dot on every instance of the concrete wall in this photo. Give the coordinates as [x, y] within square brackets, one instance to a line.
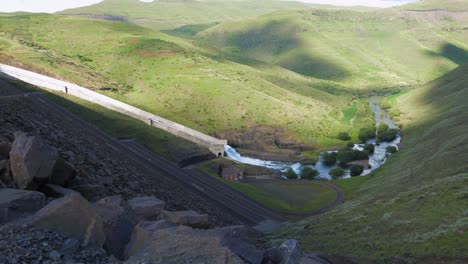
[213, 144]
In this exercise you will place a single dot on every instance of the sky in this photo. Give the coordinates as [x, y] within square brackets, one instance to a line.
[50, 6]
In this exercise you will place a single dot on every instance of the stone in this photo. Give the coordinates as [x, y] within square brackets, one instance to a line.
[287, 253]
[32, 161]
[55, 255]
[141, 235]
[55, 191]
[70, 246]
[72, 216]
[119, 221]
[62, 173]
[5, 149]
[15, 202]
[187, 218]
[183, 244]
[147, 207]
[5, 172]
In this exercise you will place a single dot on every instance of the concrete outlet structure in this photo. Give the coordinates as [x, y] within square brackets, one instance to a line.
[215, 145]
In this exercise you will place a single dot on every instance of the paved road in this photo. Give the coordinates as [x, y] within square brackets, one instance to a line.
[225, 197]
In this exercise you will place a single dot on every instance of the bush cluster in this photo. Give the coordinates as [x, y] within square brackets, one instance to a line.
[336, 173]
[348, 155]
[366, 134]
[309, 173]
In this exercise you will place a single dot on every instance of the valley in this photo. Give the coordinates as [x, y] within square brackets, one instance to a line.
[345, 126]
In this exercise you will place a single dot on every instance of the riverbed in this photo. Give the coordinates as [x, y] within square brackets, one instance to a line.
[377, 159]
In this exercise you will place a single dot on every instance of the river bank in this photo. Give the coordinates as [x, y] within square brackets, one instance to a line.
[376, 159]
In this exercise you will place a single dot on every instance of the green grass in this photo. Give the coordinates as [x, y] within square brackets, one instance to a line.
[361, 50]
[287, 196]
[350, 113]
[416, 204]
[171, 77]
[174, 14]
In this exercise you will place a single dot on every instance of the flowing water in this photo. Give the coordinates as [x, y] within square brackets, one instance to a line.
[375, 160]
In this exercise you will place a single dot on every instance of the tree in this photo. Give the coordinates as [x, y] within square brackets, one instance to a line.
[329, 158]
[370, 148]
[309, 173]
[343, 136]
[391, 149]
[348, 155]
[336, 173]
[291, 174]
[356, 170]
[366, 133]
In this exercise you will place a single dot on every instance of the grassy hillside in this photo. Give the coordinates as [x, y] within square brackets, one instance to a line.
[176, 13]
[358, 49]
[170, 77]
[416, 205]
[450, 5]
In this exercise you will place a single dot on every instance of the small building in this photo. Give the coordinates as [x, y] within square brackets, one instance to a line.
[232, 174]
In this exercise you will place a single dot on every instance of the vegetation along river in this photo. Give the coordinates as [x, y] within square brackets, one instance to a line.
[376, 159]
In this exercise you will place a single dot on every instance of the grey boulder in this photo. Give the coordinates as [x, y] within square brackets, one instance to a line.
[32, 161]
[147, 207]
[183, 244]
[15, 203]
[187, 218]
[119, 221]
[142, 234]
[72, 216]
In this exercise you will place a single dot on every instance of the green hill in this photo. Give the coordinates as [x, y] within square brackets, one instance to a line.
[449, 5]
[415, 206]
[359, 49]
[177, 13]
[171, 77]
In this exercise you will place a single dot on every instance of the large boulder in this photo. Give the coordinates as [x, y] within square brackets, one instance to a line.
[32, 161]
[287, 253]
[73, 216]
[147, 207]
[15, 203]
[142, 234]
[119, 221]
[183, 244]
[187, 218]
[62, 173]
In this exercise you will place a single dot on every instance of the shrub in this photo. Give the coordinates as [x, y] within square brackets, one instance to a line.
[366, 133]
[370, 148]
[291, 174]
[309, 173]
[348, 155]
[356, 170]
[329, 159]
[388, 135]
[343, 136]
[336, 173]
[385, 105]
[391, 149]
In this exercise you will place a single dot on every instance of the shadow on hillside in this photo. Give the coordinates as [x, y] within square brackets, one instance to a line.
[454, 53]
[277, 43]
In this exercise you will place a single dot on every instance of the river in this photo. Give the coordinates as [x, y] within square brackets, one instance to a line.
[375, 160]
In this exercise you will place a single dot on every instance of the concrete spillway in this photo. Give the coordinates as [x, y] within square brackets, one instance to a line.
[213, 144]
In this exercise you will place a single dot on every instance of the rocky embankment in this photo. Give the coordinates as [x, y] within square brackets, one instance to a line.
[69, 195]
[44, 222]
